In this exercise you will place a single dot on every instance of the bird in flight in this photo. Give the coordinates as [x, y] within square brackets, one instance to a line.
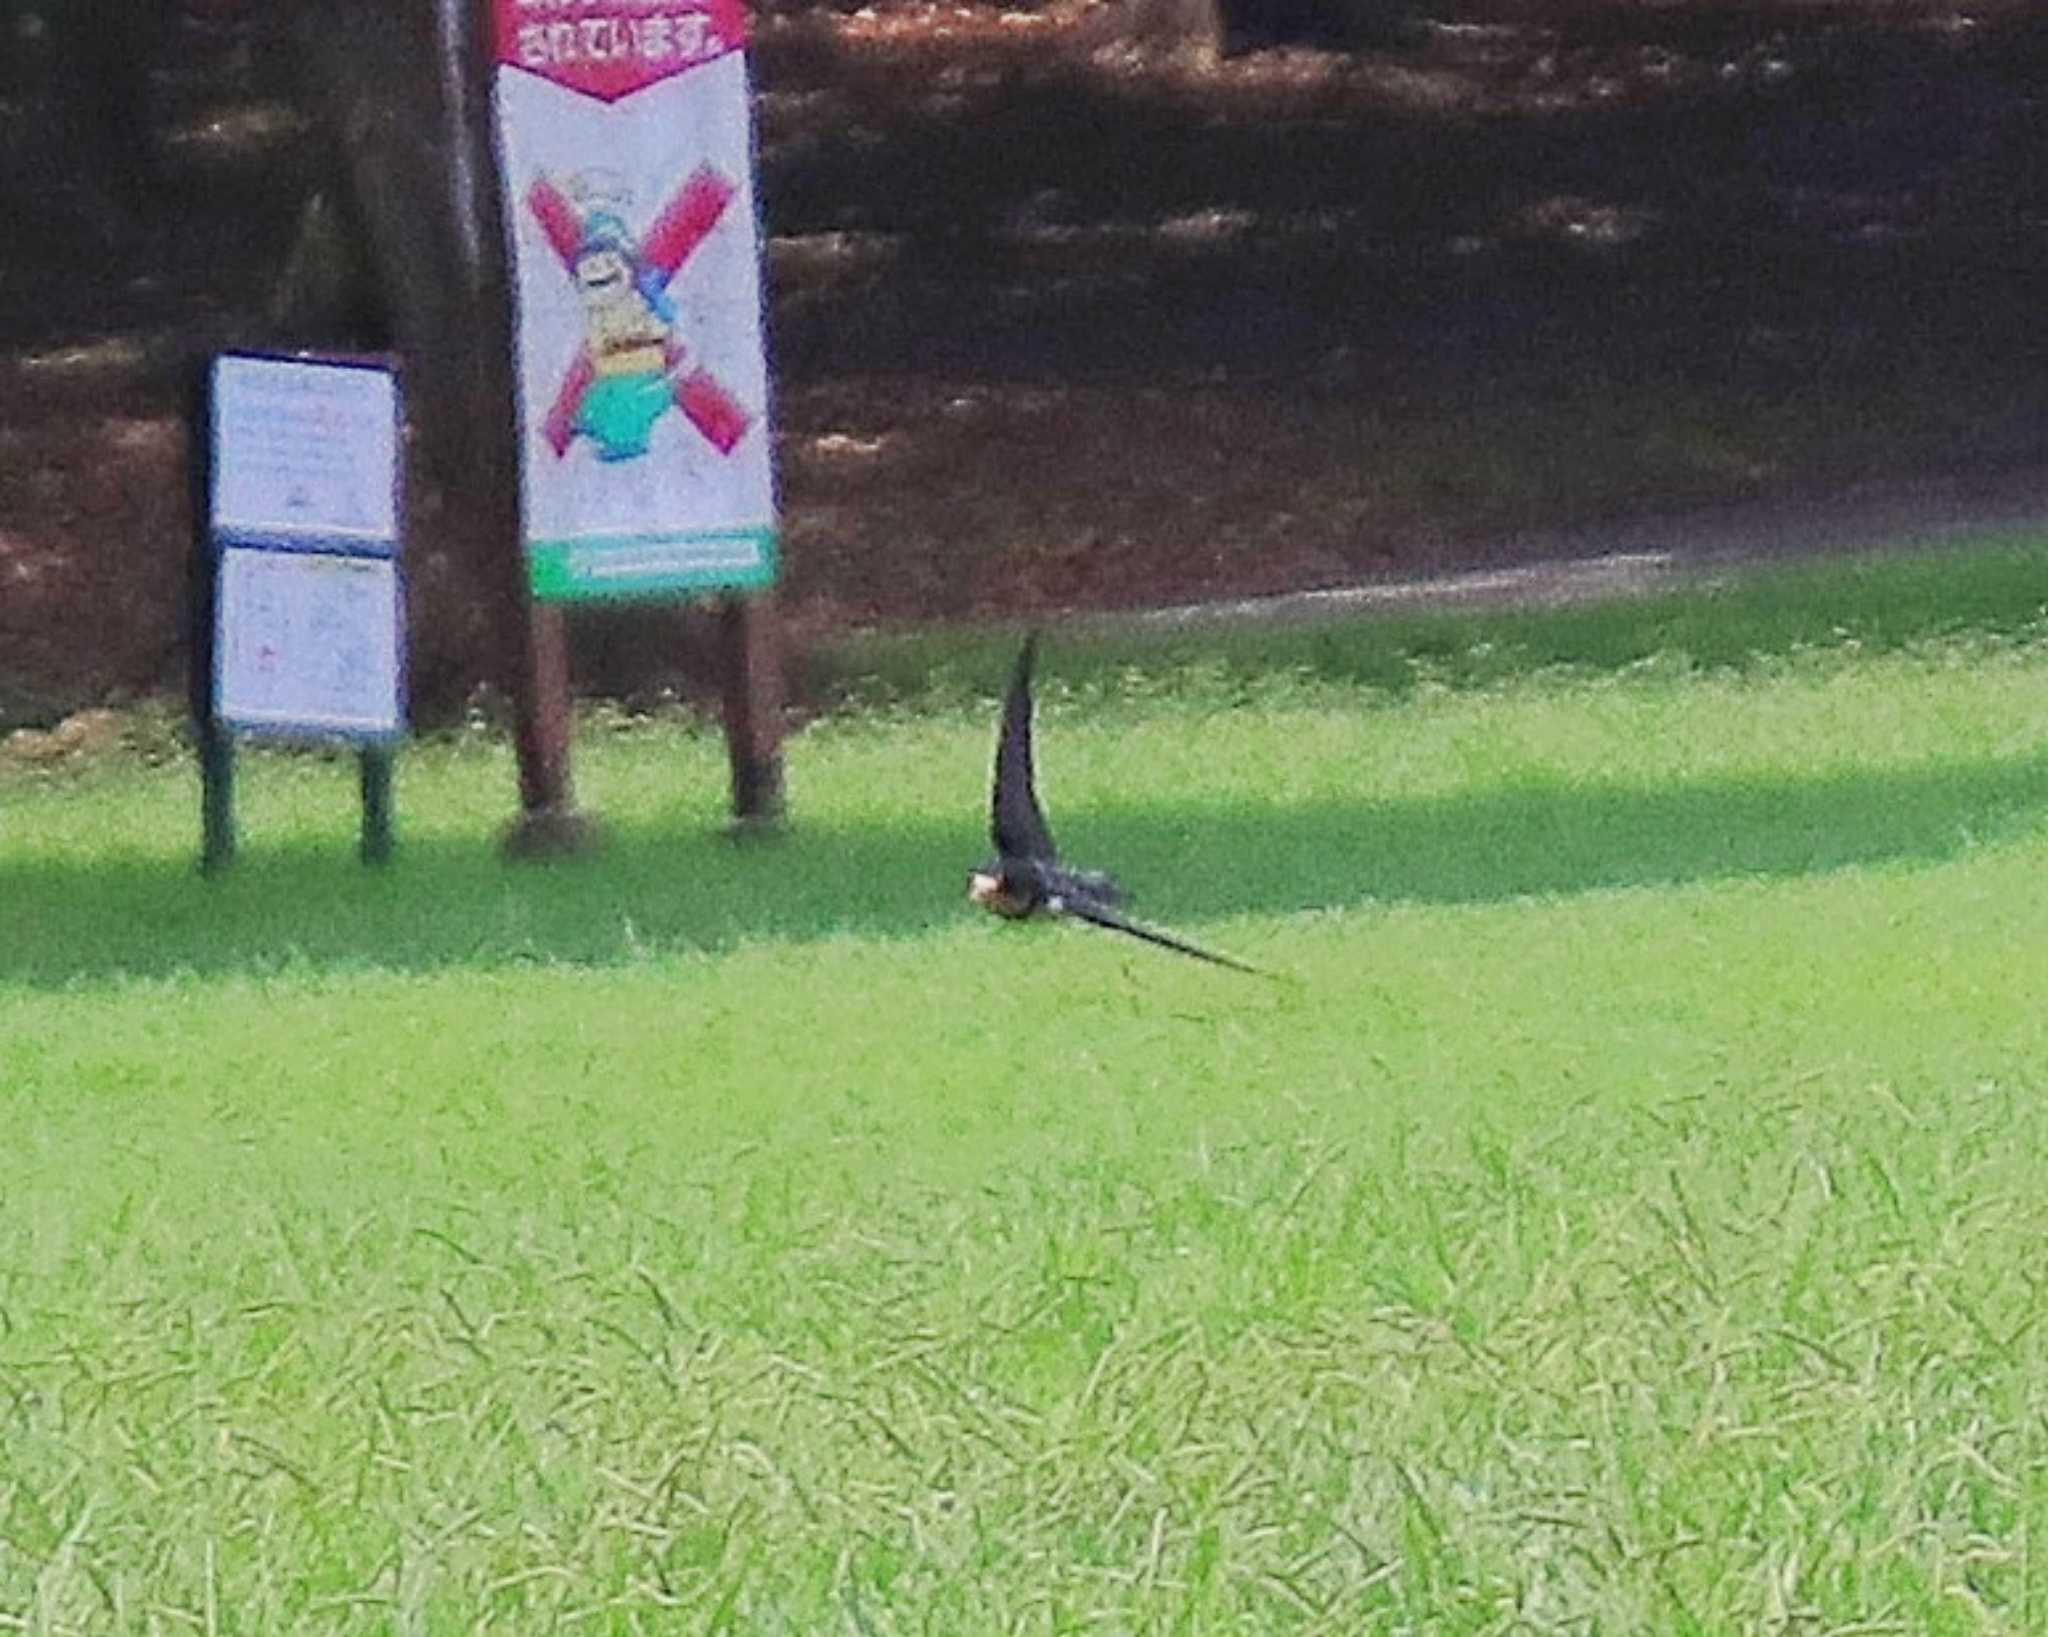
[1026, 877]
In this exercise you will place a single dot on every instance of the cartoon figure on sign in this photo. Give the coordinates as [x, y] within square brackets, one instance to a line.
[633, 365]
[630, 329]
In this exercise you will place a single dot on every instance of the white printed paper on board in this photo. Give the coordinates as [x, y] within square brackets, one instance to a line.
[304, 447]
[308, 643]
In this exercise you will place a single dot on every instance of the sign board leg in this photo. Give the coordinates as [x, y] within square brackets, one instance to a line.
[753, 712]
[541, 735]
[377, 809]
[216, 795]
[215, 746]
[548, 824]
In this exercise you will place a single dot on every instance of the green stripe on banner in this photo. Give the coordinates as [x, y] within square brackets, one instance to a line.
[650, 565]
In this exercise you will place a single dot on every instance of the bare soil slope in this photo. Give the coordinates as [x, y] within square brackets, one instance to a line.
[1061, 324]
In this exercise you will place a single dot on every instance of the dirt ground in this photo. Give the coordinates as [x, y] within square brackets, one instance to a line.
[1063, 325]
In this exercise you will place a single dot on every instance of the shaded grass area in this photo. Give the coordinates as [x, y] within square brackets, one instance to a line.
[291, 907]
[1482, 693]
[1440, 758]
[1623, 1217]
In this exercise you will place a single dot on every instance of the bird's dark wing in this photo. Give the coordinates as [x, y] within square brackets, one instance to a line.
[1017, 824]
[1103, 915]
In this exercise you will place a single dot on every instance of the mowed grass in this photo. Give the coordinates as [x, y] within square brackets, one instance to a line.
[1624, 1213]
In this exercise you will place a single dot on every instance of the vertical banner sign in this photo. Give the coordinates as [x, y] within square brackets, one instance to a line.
[625, 134]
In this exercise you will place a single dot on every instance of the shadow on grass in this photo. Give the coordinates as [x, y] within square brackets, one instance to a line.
[448, 903]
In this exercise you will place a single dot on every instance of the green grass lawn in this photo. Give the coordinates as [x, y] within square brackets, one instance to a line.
[1625, 1215]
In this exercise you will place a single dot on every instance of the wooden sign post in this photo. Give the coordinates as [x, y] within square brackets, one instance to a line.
[625, 149]
[298, 611]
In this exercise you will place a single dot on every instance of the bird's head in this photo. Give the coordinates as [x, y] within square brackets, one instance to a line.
[984, 887]
[1000, 890]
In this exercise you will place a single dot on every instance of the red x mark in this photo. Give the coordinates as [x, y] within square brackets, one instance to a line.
[684, 223]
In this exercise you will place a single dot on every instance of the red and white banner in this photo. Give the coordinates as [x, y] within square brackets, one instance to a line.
[625, 133]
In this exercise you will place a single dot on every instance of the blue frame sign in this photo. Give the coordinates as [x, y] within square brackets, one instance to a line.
[308, 599]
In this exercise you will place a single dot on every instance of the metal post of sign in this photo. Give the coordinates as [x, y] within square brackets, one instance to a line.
[216, 798]
[378, 840]
[216, 748]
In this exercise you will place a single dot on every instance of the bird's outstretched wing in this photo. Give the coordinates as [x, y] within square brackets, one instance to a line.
[1104, 915]
[1017, 825]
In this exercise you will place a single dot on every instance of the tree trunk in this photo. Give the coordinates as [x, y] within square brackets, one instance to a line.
[405, 86]
[90, 147]
[409, 109]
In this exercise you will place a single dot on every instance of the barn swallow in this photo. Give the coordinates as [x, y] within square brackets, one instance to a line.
[1026, 877]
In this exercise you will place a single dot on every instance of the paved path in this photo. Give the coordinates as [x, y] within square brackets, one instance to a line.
[1652, 553]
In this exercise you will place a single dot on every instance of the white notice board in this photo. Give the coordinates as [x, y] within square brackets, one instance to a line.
[304, 447]
[308, 642]
[304, 524]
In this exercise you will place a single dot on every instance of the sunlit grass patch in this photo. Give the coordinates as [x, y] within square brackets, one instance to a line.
[1622, 1215]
